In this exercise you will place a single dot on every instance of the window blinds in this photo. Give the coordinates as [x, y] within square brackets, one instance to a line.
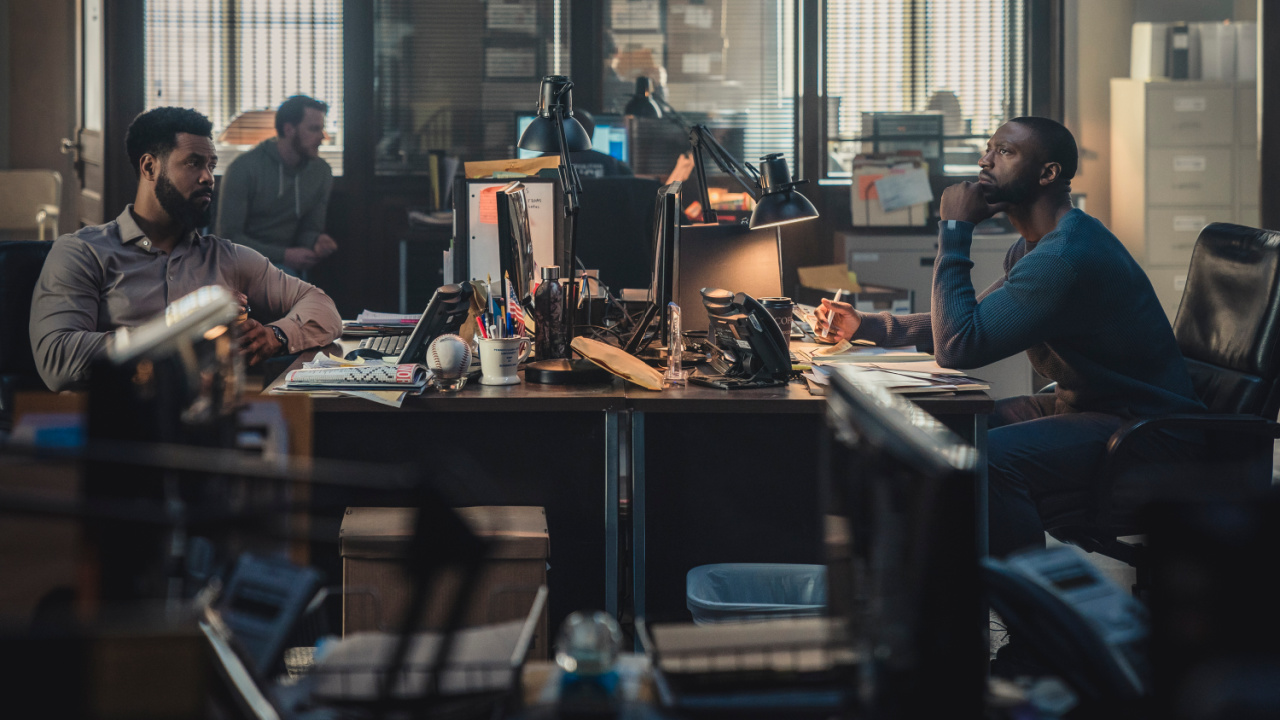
[450, 77]
[228, 57]
[966, 58]
[728, 63]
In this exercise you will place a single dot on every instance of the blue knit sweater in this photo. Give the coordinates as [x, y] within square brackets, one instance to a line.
[1075, 301]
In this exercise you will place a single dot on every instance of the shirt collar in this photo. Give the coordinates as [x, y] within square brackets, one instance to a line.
[130, 232]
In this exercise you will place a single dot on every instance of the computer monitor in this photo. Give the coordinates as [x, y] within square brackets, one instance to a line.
[657, 143]
[444, 315]
[749, 344]
[723, 256]
[905, 576]
[666, 231]
[609, 137]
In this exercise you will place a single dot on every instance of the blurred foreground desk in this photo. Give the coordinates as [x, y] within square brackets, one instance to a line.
[733, 476]
[654, 483]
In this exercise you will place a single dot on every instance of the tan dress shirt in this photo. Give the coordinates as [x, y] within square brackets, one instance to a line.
[109, 276]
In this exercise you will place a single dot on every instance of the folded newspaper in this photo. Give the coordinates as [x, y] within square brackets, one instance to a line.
[408, 377]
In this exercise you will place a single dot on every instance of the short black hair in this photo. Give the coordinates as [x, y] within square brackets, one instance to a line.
[1056, 142]
[295, 108]
[156, 131]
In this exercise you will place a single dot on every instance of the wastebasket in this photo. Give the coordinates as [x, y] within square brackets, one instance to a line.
[737, 592]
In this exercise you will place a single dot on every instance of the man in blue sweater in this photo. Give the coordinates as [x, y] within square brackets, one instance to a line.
[1072, 298]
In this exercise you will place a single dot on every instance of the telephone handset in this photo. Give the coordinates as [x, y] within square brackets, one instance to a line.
[1074, 619]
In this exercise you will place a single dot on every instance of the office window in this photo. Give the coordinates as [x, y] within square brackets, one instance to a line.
[730, 65]
[234, 59]
[962, 58]
[450, 77]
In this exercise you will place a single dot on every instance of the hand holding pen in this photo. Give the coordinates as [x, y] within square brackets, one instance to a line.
[836, 320]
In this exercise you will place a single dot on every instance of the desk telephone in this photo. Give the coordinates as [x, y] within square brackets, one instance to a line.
[1083, 626]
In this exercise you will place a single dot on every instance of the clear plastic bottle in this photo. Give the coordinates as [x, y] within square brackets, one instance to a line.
[675, 375]
[548, 316]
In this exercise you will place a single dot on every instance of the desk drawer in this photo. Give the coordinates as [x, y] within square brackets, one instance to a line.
[1172, 232]
[1190, 176]
[1168, 282]
[1190, 115]
[1247, 113]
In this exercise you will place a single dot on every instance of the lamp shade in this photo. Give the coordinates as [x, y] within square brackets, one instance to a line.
[556, 93]
[780, 203]
[642, 104]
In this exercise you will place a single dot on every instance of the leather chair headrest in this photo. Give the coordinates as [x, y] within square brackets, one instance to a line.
[1228, 317]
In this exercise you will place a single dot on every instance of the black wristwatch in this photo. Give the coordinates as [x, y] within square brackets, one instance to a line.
[282, 339]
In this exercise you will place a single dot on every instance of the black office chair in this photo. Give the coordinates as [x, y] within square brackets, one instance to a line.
[20, 265]
[1226, 328]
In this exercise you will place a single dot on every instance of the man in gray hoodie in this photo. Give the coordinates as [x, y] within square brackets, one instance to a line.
[274, 197]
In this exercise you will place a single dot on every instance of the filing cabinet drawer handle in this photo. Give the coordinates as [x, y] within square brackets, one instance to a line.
[926, 262]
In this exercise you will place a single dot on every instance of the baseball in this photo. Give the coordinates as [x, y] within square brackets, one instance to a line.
[449, 356]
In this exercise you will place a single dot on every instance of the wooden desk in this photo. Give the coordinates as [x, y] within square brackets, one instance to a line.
[552, 447]
[685, 477]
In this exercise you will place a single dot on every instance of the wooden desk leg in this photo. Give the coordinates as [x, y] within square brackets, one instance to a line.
[611, 479]
[637, 519]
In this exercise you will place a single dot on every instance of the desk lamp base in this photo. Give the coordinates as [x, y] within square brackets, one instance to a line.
[566, 372]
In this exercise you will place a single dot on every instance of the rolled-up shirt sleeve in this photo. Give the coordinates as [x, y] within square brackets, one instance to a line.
[303, 311]
[64, 315]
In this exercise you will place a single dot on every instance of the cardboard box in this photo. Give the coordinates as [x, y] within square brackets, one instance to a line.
[373, 544]
[822, 281]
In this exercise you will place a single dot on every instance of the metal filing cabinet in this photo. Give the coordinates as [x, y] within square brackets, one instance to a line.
[906, 261]
[1183, 155]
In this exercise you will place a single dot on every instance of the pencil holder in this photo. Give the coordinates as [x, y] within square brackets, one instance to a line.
[499, 359]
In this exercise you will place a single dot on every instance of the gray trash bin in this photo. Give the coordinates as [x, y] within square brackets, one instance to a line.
[737, 592]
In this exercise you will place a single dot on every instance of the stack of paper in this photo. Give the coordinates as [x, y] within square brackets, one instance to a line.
[899, 377]
[369, 317]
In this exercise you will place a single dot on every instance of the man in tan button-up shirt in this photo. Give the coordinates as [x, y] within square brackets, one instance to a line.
[125, 272]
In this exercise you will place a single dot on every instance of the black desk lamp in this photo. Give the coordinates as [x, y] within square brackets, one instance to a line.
[556, 130]
[777, 200]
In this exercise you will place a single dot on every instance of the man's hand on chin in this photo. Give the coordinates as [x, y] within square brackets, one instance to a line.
[257, 342]
[967, 201]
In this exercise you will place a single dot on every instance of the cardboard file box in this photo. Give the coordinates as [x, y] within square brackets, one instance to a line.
[376, 586]
[822, 281]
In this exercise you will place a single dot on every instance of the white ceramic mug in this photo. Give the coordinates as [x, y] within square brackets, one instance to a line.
[499, 358]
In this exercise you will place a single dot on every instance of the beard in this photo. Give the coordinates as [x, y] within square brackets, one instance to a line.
[300, 150]
[184, 210]
[1016, 190]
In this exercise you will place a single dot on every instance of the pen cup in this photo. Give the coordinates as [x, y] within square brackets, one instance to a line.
[780, 308]
[499, 358]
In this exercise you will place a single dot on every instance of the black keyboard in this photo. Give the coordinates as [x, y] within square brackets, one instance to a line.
[385, 344]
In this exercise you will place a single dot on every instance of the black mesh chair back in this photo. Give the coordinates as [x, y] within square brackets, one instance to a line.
[20, 265]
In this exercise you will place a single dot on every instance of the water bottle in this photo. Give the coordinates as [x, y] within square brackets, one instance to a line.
[548, 316]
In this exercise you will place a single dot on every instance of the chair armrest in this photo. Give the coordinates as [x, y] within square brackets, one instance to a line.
[1232, 464]
[1250, 424]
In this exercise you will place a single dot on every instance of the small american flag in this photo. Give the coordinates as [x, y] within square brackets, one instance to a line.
[514, 307]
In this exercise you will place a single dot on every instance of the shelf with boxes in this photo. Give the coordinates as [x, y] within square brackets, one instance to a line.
[1184, 154]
